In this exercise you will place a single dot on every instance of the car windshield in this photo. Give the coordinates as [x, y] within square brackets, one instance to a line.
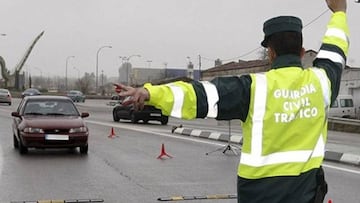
[56, 107]
[3, 91]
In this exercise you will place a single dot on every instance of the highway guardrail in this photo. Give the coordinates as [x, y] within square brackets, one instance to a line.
[344, 124]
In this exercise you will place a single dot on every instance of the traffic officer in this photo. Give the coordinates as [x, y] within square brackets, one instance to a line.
[284, 110]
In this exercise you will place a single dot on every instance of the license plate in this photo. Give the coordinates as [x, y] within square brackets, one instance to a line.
[155, 114]
[56, 137]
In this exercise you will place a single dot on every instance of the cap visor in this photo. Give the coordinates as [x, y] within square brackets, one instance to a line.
[264, 43]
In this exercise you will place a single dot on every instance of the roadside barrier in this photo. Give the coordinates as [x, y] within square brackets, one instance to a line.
[199, 197]
[344, 125]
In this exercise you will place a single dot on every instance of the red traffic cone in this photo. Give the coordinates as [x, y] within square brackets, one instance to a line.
[163, 153]
[112, 133]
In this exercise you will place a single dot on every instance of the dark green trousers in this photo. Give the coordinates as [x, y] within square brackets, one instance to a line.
[283, 189]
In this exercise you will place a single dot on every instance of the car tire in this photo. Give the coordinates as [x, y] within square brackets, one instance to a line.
[22, 148]
[164, 120]
[84, 149]
[146, 121]
[115, 117]
[133, 118]
[16, 142]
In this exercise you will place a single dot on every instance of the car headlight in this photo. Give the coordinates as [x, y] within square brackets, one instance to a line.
[33, 130]
[78, 130]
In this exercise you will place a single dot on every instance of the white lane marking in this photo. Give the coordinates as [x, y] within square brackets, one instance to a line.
[1, 161]
[152, 132]
[1, 150]
[341, 169]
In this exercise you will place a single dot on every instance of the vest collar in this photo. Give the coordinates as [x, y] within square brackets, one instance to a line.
[288, 60]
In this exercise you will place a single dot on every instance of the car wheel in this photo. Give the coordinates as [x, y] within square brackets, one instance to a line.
[84, 149]
[133, 118]
[115, 117]
[146, 121]
[164, 120]
[22, 148]
[16, 142]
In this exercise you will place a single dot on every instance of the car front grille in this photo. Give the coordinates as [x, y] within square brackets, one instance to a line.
[56, 131]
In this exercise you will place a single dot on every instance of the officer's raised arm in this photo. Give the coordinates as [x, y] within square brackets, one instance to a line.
[335, 45]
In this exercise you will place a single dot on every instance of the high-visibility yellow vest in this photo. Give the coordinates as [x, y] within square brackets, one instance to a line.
[286, 128]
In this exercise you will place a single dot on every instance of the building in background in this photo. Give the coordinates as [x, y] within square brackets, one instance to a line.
[137, 76]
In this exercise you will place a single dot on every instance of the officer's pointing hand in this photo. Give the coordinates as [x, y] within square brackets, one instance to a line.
[137, 95]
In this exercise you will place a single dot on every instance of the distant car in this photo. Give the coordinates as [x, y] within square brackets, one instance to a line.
[76, 96]
[30, 92]
[49, 122]
[127, 112]
[5, 96]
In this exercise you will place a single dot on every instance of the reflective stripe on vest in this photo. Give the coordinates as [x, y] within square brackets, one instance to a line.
[336, 32]
[211, 94]
[323, 54]
[178, 100]
[325, 85]
[212, 98]
[255, 157]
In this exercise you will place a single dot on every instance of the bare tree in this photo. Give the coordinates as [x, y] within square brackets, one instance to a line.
[86, 83]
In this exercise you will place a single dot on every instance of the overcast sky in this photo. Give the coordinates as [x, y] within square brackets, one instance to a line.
[161, 31]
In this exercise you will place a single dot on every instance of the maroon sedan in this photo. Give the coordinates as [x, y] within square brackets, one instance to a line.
[49, 122]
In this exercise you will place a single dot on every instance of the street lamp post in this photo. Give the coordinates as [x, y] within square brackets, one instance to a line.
[97, 66]
[127, 61]
[66, 70]
[78, 72]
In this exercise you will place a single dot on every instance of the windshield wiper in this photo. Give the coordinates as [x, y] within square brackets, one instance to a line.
[33, 113]
[56, 114]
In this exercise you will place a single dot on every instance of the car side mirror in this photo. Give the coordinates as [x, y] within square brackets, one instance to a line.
[15, 114]
[84, 115]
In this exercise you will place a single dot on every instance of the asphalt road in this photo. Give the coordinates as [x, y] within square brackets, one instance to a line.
[126, 168]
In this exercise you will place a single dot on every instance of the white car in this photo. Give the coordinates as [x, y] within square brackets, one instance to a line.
[343, 107]
[5, 96]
